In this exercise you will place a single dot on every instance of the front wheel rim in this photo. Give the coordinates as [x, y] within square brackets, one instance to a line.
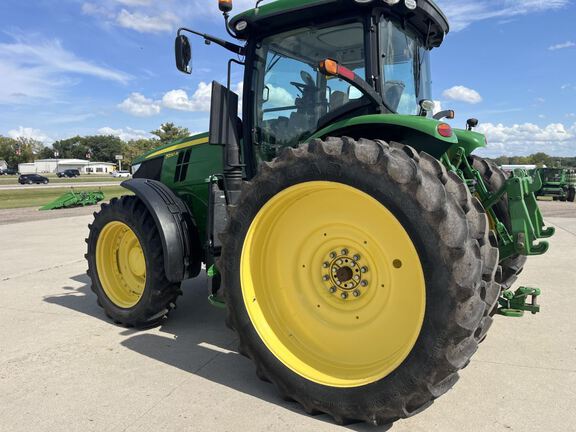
[121, 265]
[333, 284]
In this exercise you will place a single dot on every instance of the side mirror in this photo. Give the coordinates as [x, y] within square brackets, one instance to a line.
[183, 54]
[471, 123]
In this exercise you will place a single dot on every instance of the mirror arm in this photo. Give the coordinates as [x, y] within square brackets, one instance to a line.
[236, 49]
[226, 19]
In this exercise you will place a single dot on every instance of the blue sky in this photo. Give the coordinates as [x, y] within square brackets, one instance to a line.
[85, 67]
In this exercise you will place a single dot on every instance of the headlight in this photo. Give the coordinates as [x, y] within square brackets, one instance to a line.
[136, 168]
[241, 25]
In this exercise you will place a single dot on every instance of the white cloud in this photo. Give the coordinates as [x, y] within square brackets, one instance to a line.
[32, 69]
[135, 2]
[527, 138]
[125, 134]
[279, 97]
[462, 13]
[437, 106]
[568, 44]
[463, 94]
[179, 99]
[147, 16]
[198, 102]
[163, 22]
[26, 132]
[140, 106]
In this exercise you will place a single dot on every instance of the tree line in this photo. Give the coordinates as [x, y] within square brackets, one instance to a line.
[100, 148]
[539, 159]
[104, 148]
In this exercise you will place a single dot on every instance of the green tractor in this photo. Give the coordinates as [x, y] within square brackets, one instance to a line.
[558, 184]
[360, 249]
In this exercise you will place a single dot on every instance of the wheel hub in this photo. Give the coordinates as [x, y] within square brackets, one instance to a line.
[344, 274]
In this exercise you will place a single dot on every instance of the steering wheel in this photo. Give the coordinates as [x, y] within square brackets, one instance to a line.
[308, 81]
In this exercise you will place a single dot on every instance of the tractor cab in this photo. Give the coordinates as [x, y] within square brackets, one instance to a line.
[382, 48]
[293, 97]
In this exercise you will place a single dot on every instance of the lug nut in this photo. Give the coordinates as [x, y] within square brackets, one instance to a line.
[332, 290]
[364, 269]
[333, 255]
[344, 251]
[344, 296]
[364, 283]
[326, 278]
[356, 257]
[356, 293]
[326, 265]
[356, 278]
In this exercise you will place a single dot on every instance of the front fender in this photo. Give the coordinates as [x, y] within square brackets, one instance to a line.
[470, 141]
[418, 132]
[178, 231]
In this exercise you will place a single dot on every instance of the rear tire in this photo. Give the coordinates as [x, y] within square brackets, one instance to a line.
[448, 228]
[495, 178]
[571, 195]
[129, 297]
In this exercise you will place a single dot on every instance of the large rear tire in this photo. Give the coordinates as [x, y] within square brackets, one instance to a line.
[126, 265]
[495, 178]
[571, 194]
[376, 348]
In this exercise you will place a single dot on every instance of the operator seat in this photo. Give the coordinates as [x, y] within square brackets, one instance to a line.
[338, 99]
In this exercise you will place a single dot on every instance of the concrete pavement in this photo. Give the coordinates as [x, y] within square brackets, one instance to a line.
[64, 366]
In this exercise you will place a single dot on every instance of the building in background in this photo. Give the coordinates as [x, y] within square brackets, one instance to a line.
[53, 166]
[99, 168]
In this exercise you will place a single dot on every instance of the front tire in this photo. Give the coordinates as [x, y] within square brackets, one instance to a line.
[305, 224]
[126, 265]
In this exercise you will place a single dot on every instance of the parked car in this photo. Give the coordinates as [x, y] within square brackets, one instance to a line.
[33, 179]
[9, 171]
[121, 174]
[70, 173]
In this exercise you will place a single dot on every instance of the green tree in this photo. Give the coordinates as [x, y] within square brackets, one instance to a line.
[19, 150]
[169, 132]
[71, 148]
[541, 159]
[103, 148]
[135, 148]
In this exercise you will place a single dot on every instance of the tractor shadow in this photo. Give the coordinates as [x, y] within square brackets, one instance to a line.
[194, 339]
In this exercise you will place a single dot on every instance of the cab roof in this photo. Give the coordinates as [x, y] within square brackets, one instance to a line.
[281, 15]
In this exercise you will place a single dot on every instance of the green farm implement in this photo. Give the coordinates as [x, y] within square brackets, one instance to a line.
[75, 199]
[360, 248]
[558, 184]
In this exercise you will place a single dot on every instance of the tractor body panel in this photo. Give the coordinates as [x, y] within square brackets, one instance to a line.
[186, 167]
[470, 141]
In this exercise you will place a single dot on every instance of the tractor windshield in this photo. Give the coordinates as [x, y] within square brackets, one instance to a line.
[293, 99]
[405, 68]
[292, 96]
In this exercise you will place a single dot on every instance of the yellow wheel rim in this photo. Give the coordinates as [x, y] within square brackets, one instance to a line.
[121, 265]
[333, 284]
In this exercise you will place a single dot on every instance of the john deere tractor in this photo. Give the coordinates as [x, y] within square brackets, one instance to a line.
[558, 184]
[360, 249]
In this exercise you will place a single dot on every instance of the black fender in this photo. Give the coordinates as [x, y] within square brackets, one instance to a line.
[178, 231]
